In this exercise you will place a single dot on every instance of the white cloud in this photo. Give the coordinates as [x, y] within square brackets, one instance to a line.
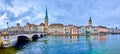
[18, 10]
[3, 20]
[64, 11]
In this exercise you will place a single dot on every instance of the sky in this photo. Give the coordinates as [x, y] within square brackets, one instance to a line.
[77, 12]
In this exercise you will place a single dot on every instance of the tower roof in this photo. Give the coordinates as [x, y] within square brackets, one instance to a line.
[90, 19]
[46, 14]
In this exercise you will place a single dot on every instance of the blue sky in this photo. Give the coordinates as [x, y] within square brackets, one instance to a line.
[77, 12]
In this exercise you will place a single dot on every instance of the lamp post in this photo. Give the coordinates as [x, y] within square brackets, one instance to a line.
[7, 30]
[7, 26]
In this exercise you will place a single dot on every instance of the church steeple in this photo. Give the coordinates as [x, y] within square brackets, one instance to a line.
[46, 20]
[46, 14]
[90, 19]
[90, 22]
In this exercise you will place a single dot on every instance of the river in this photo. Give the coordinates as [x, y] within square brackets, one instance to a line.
[108, 44]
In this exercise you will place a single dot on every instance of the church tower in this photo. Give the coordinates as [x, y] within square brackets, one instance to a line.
[46, 20]
[90, 22]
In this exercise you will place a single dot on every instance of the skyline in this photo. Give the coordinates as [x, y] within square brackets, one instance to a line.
[102, 12]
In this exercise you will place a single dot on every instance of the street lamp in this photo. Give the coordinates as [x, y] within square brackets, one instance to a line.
[7, 30]
[7, 26]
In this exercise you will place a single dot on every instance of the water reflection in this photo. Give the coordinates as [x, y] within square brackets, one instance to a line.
[102, 38]
[20, 46]
[54, 40]
[74, 38]
[88, 41]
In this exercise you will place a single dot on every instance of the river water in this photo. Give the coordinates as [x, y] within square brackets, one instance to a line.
[109, 44]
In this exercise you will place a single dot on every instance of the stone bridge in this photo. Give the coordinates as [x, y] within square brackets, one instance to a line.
[13, 38]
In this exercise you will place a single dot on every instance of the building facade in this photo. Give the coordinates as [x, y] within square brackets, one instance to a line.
[41, 27]
[67, 30]
[102, 29]
[82, 30]
[17, 28]
[74, 31]
[55, 29]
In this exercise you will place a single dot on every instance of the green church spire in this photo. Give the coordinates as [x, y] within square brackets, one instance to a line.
[46, 14]
[46, 21]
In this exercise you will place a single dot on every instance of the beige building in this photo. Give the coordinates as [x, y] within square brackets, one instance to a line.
[12, 28]
[101, 29]
[30, 27]
[55, 28]
[16, 28]
[34, 28]
[27, 27]
[41, 27]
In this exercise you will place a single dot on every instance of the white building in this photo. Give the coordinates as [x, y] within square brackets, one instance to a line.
[66, 29]
[82, 30]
